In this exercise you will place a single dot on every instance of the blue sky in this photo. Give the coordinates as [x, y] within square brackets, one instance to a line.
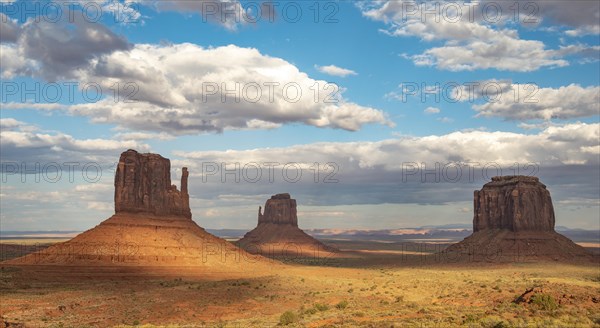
[372, 53]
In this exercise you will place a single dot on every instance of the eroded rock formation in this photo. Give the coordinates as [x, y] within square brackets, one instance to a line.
[152, 227]
[280, 209]
[516, 203]
[513, 221]
[277, 233]
[143, 185]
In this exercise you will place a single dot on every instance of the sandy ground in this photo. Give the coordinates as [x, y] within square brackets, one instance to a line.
[377, 289]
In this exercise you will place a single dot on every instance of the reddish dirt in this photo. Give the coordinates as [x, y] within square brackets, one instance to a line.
[275, 240]
[143, 241]
[500, 245]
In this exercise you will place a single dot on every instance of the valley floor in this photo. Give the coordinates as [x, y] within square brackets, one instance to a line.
[472, 295]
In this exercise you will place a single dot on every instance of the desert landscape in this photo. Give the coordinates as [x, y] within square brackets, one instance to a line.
[319, 164]
[150, 265]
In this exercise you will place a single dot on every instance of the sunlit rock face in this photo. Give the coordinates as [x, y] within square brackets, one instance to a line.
[143, 185]
[151, 227]
[277, 232]
[280, 209]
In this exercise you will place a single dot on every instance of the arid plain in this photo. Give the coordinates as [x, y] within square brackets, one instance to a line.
[151, 265]
[414, 291]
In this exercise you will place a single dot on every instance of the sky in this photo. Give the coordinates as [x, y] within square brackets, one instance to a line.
[372, 114]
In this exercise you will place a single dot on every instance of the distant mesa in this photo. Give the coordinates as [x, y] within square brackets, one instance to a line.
[515, 203]
[152, 226]
[280, 209]
[277, 233]
[514, 221]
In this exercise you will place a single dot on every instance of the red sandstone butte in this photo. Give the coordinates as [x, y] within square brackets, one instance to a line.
[514, 221]
[143, 185]
[152, 227]
[277, 232]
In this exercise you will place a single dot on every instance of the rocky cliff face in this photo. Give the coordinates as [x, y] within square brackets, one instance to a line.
[280, 209]
[143, 185]
[277, 233]
[152, 227]
[515, 203]
[514, 222]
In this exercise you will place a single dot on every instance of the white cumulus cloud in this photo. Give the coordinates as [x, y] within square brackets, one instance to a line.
[335, 70]
[470, 42]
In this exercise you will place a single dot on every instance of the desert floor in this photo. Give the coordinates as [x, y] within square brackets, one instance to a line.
[382, 287]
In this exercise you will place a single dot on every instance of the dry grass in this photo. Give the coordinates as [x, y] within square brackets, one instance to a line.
[442, 296]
